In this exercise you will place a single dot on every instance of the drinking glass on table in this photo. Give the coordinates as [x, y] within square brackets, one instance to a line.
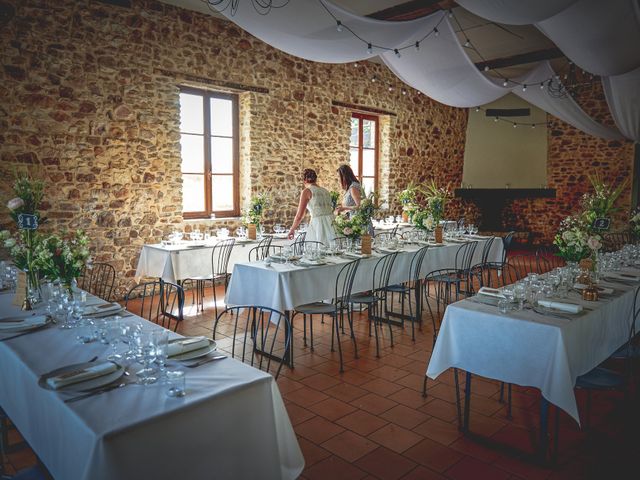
[161, 340]
[147, 351]
[287, 253]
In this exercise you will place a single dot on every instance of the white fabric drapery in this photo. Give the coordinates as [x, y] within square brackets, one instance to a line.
[439, 67]
[601, 37]
[623, 96]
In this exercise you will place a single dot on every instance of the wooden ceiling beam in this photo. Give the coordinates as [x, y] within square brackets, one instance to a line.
[521, 59]
[408, 10]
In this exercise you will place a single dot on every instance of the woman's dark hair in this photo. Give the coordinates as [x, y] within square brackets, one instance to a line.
[347, 177]
[309, 175]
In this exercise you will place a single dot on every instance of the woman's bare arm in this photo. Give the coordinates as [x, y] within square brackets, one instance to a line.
[305, 196]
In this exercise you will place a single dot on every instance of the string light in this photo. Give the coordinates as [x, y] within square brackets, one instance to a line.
[467, 43]
[450, 13]
[390, 88]
[477, 109]
[486, 68]
[524, 87]
[541, 85]
[356, 64]
[495, 119]
[417, 46]
[369, 48]
[404, 91]
[511, 122]
[515, 125]
[373, 79]
[339, 25]
[436, 32]
[397, 52]
[505, 83]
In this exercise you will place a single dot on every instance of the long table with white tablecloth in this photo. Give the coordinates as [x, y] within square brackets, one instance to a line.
[232, 424]
[285, 286]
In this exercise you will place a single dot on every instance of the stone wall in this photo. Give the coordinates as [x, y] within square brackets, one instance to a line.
[90, 103]
[573, 156]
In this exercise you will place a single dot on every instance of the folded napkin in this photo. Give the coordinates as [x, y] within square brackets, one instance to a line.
[305, 261]
[80, 375]
[102, 308]
[187, 345]
[353, 255]
[562, 306]
[603, 290]
[490, 292]
[629, 277]
[11, 323]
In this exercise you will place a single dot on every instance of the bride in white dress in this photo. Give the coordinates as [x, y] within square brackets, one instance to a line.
[318, 201]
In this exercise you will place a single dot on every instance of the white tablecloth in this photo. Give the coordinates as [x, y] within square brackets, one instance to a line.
[178, 262]
[283, 287]
[529, 349]
[232, 424]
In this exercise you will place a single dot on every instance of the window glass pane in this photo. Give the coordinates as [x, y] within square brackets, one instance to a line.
[354, 131]
[221, 155]
[192, 152]
[369, 163]
[192, 193]
[353, 160]
[368, 184]
[191, 113]
[221, 117]
[222, 192]
[368, 134]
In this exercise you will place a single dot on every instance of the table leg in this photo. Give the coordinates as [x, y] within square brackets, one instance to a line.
[467, 402]
[544, 429]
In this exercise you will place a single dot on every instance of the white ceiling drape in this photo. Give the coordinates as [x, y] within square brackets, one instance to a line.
[623, 96]
[601, 37]
[439, 67]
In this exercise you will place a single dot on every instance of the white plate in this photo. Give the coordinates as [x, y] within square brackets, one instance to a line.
[314, 263]
[14, 327]
[201, 352]
[85, 386]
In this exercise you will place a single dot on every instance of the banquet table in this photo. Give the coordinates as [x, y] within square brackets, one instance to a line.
[285, 286]
[531, 349]
[231, 424]
[174, 263]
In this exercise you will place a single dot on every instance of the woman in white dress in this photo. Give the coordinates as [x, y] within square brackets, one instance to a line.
[318, 201]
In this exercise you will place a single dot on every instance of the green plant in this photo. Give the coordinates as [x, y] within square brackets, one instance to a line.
[600, 203]
[422, 219]
[335, 197]
[436, 198]
[62, 258]
[574, 239]
[256, 210]
[408, 197]
[634, 221]
[356, 223]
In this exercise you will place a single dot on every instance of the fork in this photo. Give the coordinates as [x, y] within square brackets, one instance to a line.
[98, 391]
[206, 360]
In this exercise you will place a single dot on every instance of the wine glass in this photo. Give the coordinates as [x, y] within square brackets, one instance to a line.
[287, 253]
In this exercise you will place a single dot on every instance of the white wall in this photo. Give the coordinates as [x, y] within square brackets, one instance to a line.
[497, 155]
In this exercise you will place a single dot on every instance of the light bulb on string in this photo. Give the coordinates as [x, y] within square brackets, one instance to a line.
[397, 52]
[369, 48]
[505, 83]
[467, 43]
[417, 45]
[533, 125]
[436, 32]
[477, 109]
[486, 68]
[339, 25]
[524, 87]
[541, 85]
[495, 119]
[390, 88]
[515, 125]
[450, 13]
[404, 91]
[356, 64]
[373, 79]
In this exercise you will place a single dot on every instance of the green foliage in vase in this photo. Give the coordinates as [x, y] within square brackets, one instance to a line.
[255, 213]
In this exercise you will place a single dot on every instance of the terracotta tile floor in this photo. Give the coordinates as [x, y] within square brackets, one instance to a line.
[372, 421]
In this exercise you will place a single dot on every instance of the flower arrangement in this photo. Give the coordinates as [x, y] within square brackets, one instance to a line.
[255, 212]
[408, 199]
[634, 221]
[23, 209]
[423, 220]
[357, 223]
[600, 203]
[436, 200]
[574, 240]
[335, 196]
[62, 258]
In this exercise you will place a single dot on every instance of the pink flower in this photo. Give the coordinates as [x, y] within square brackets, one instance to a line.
[348, 231]
[15, 203]
[594, 243]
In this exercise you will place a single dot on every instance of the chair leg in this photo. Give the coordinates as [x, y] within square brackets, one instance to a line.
[311, 330]
[375, 329]
[337, 334]
[333, 329]
[458, 405]
[509, 403]
[424, 387]
[215, 299]
[304, 329]
[353, 335]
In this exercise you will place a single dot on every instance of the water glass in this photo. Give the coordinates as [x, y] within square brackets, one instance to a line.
[147, 352]
[504, 306]
[176, 383]
[161, 340]
[86, 329]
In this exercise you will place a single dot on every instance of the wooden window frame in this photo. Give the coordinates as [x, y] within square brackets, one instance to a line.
[235, 134]
[376, 119]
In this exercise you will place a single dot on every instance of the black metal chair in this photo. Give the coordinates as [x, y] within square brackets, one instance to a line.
[262, 250]
[160, 302]
[507, 242]
[375, 298]
[524, 264]
[336, 309]
[547, 259]
[260, 253]
[299, 246]
[260, 336]
[219, 264]
[614, 241]
[99, 279]
[413, 286]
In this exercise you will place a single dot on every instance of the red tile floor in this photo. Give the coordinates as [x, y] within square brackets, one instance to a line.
[372, 422]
